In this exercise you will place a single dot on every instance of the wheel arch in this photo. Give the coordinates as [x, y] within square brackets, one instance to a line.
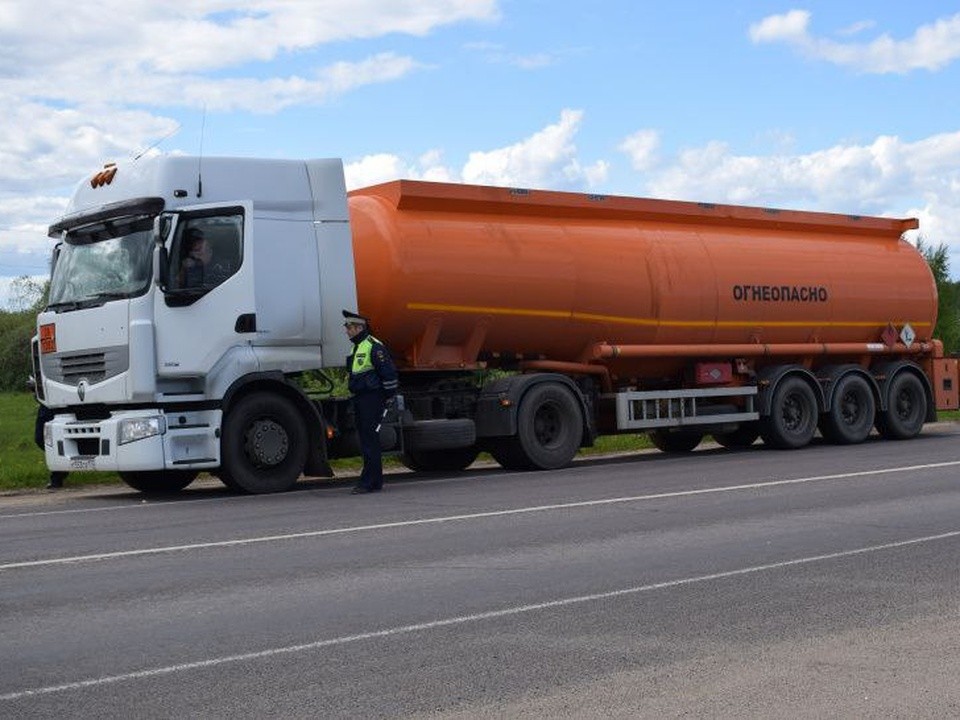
[770, 377]
[830, 376]
[275, 382]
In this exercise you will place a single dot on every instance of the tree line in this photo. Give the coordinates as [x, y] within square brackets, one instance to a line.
[29, 297]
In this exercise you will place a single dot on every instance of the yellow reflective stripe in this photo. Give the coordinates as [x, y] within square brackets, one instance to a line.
[647, 322]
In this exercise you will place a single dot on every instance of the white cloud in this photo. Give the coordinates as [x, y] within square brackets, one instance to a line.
[791, 26]
[42, 147]
[375, 169]
[886, 177]
[931, 47]
[202, 35]
[641, 147]
[547, 159]
[856, 28]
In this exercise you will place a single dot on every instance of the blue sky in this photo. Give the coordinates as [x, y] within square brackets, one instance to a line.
[849, 107]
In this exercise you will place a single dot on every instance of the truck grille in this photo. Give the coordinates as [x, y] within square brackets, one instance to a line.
[93, 366]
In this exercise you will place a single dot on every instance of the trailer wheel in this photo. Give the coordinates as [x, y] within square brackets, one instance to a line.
[549, 430]
[159, 482]
[439, 460]
[906, 408]
[743, 437]
[264, 444]
[675, 442]
[793, 415]
[852, 413]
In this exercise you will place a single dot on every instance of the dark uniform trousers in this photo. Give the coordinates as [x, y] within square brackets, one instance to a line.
[368, 412]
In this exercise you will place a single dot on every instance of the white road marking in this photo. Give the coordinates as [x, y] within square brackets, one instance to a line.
[463, 619]
[459, 518]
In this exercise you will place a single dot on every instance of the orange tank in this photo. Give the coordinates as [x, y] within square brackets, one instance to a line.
[452, 273]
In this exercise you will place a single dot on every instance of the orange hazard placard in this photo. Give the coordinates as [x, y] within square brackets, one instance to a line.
[48, 338]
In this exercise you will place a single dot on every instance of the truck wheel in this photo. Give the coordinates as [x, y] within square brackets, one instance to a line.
[439, 460]
[793, 415]
[852, 413]
[675, 442]
[264, 444]
[906, 408]
[159, 482]
[743, 437]
[549, 430]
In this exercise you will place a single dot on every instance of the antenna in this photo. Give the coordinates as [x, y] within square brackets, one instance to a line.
[145, 151]
[203, 125]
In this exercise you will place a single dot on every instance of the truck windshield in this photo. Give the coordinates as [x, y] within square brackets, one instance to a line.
[104, 261]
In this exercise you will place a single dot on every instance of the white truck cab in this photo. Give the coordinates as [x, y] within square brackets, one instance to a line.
[184, 292]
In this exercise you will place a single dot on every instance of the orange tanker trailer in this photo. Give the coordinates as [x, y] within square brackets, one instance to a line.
[524, 323]
[626, 314]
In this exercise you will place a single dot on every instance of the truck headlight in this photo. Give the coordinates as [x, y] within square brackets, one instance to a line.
[133, 429]
[47, 435]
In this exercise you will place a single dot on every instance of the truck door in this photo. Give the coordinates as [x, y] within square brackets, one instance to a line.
[206, 306]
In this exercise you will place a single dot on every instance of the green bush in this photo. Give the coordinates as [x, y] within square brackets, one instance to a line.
[16, 329]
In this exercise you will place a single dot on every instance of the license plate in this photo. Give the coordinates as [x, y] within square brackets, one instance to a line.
[82, 463]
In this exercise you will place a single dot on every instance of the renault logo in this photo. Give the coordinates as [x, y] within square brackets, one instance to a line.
[82, 390]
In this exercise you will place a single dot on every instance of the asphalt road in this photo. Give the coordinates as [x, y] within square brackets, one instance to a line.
[817, 583]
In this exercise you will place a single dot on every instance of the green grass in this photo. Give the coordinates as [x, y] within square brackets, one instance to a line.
[21, 462]
[22, 465]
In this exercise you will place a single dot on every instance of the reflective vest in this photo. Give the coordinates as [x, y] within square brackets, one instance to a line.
[363, 356]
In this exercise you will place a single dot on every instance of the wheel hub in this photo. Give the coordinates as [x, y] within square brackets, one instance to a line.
[266, 443]
[547, 425]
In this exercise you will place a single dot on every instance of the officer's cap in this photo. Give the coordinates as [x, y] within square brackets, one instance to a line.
[352, 318]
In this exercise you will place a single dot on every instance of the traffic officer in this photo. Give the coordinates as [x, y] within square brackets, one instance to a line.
[373, 383]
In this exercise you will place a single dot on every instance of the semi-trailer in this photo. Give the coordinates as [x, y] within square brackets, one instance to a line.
[524, 323]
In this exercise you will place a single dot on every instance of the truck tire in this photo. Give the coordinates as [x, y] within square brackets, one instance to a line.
[549, 430]
[852, 412]
[682, 441]
[906, 408]
[452, 460]
[440, 434]
[159, 482]
[743, 437]
[264, 444]
[793, 415]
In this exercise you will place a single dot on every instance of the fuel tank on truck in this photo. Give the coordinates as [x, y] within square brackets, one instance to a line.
[450, 272]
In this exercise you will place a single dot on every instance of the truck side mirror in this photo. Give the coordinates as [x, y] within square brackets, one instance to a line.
[162, 230]
[162, 273]
[164, 225]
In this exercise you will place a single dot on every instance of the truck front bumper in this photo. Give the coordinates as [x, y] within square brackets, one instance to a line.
[134, 440]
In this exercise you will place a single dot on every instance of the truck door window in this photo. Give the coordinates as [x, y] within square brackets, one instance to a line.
[205, 252]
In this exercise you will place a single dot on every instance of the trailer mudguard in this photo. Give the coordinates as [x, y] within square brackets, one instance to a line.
[830, 376]
[769, 377]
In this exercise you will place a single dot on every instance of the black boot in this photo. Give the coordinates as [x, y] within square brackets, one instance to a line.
[56, 480]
